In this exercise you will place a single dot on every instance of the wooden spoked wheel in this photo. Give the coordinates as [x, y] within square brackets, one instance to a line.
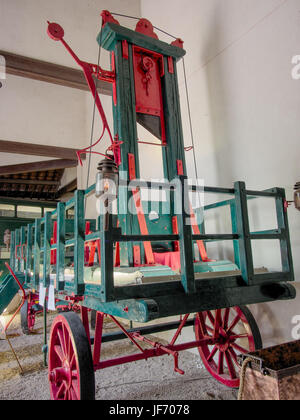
[71, 371]
[232, 331]
[27, 317]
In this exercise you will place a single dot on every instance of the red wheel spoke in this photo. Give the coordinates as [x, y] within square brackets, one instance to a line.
[62, 342]
[226, 318]
[66, 396]
[239, 348]
[211, 317]
[209, 329]
[72, 361]
[202, 323]
[66, 341]
[217, 324]
[234, 356]
[221, 363]
[59, 353]
[73, 394]
[226, 327]
[61, 388]
[234, 323]
[237, 336]
[212, 354]
[229, 363]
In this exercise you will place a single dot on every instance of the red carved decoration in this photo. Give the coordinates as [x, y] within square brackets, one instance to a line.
[107, 17]
[148, 71]
[177, 43]
[145, 27]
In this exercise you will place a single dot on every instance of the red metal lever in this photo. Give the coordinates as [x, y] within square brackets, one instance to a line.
[56, 32]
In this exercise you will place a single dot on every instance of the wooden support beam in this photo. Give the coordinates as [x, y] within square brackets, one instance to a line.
[32, 149]
[44, 71]
[28, 181]
[38, 166]
[68, 188]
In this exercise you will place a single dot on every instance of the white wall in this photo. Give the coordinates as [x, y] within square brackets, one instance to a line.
[245, 108]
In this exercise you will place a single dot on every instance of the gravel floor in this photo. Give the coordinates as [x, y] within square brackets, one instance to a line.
[154, 379]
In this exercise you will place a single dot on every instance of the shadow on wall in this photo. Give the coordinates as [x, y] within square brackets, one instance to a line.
[279, 322]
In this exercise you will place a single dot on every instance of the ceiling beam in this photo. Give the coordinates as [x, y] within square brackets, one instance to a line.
[70, 187]
[28, 181]
[44, 71]
[32, 149]
[47, 165]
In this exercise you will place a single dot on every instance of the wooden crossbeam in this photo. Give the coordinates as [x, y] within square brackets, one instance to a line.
[28, 181]
[68, 188]
[44, 71]
[32, 149]
[38, 166]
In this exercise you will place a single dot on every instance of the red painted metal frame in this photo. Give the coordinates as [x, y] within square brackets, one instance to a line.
[157, 348]
[215, 340]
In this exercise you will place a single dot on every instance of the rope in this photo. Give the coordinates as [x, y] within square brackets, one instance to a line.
[242, 377]
[93, 121]
[136, 18]
[190, 119]
[94, 110]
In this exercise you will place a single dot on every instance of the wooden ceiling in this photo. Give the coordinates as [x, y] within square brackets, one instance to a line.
[42, 185]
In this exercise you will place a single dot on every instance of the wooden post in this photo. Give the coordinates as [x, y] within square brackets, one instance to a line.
[185, 241]
[243, 230]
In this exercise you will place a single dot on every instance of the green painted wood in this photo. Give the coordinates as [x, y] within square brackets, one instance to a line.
[112, 34]
[18, 251]
[8, 289]
[29, 262]
[145, 310]
[61, 238]
[283, 226]
[242, 227]
[47, 249]
[107, 267]
[236, 247]
[185, 242]
[22, 248]
[37, 253]
[12, 261]
[174, 133]
[126, 129]
[135, 309]
[79, 237]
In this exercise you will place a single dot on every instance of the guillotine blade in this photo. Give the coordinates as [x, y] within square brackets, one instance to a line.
[151, 123]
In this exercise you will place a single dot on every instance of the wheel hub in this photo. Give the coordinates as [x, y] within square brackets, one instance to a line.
[223, 341]
[60, 374]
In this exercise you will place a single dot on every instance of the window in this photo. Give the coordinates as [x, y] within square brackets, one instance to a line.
[7, 210]
[29, 212]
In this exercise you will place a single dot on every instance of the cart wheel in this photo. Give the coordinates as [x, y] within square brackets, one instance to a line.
[71, 370]
[233, 331]
[27, 318]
